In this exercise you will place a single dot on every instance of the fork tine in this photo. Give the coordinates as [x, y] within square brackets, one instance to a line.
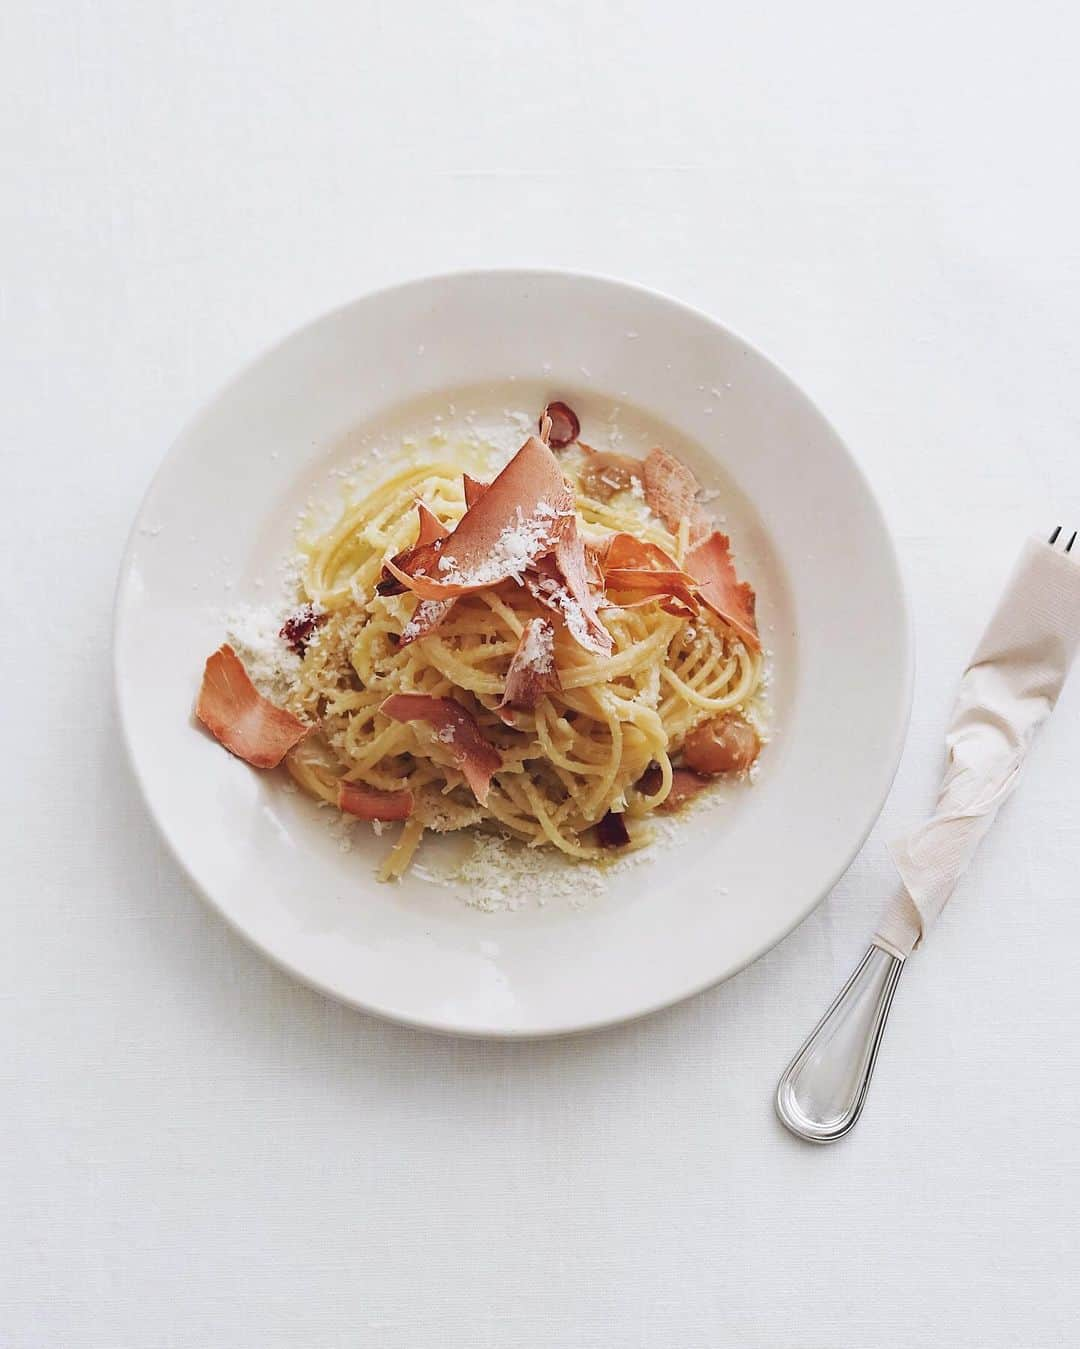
[1053, 537]
[1068, 546]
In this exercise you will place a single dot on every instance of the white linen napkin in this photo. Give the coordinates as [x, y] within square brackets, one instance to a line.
[1006, 693]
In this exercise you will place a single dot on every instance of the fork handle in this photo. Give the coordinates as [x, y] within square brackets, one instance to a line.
[823, 1089]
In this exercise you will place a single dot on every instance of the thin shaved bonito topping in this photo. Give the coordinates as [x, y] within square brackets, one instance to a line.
[644, 568]
[679, 605]
[455, 727]
[606, 473]
[560, 581]
[564, 425]
[671, 492]
[532, 671]
[626, 551]
[594, 567]
[428, 614]
[431, 527]
[638, 588]
[431, 530]
[711, 566]
[369, 803]
[474, 490]
[642, 578]
[426, 617]
[670, 487]
[571, 561]
[236, 714]
[520, 517]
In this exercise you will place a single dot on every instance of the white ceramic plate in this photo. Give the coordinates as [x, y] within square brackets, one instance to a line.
[807, 533]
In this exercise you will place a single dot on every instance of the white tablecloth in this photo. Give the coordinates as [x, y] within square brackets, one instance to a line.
[198, 1152]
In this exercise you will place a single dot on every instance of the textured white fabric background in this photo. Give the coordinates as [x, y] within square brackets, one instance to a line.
[197, 1152]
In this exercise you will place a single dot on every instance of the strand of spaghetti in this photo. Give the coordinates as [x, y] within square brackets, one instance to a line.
[603, 671]
[642, 803]
[712, 682]
[705, 669]
[461, 671]
[515, 816]
[509, 616]
[561, 759]
[569, 783]
[401, 854]
[629, 710]
[602, 789]
[552, 833]
[609, 517]
[719, 704]
[317, 784]
[650, 688]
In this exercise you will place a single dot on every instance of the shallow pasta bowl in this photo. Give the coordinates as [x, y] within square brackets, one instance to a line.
[640, 369]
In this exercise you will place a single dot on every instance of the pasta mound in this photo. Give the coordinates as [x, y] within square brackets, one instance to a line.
[578, 755]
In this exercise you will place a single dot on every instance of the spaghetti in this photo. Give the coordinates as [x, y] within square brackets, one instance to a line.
[573, 737]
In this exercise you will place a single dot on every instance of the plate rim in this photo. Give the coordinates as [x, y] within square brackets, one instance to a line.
[901, 714]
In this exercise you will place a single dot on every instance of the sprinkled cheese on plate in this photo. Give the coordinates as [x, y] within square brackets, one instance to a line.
[253, 632]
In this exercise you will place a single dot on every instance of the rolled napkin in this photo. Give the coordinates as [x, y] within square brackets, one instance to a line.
[1006, 693]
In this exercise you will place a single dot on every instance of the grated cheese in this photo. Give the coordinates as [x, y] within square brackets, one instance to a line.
[515, 549]
[538, 652]
[500, 874]
[253, 633]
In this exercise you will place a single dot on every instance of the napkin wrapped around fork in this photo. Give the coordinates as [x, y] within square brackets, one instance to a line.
[1007, 691]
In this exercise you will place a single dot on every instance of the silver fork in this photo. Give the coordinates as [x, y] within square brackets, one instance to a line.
[823, 1089]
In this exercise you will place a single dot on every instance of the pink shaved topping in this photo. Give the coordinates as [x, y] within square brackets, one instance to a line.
[624, 550]
[532, 671]
[670, 488]
[565, 426]
[594, 569]
[571, 561]
[560, 582]
[634, 565]
[668, 589]
[428, 614]
[474, 490]
[431, 531]
[456, 728]
[369, 803]
[426, 617]
[520, 517]
[729, 598]
[605, 473]
[431, 527]
[235, 712]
